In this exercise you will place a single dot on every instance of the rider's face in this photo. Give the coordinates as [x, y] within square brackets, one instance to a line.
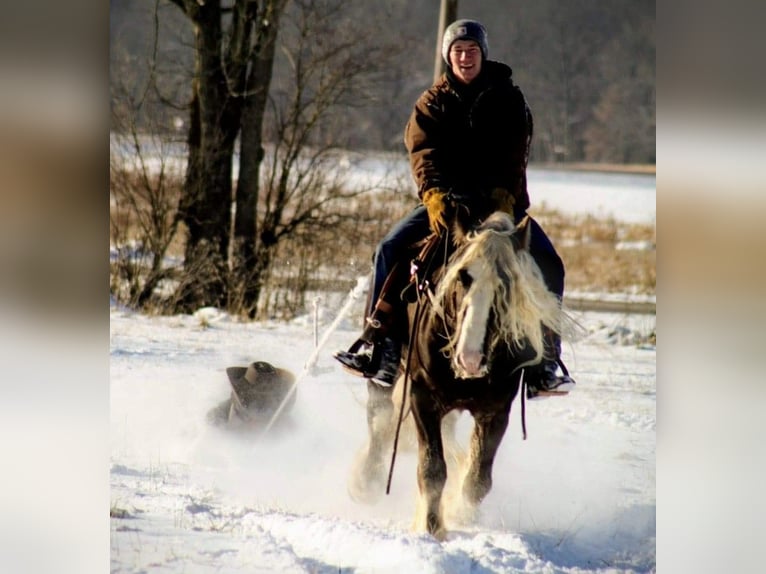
[465, 60]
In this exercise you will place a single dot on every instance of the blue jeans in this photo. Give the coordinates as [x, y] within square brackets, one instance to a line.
[549, 262]
[414, 227]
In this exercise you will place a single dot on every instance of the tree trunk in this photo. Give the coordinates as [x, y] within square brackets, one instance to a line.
[215, 114]
[248, 271]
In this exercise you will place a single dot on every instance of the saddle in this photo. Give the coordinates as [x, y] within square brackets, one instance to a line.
[399, 288]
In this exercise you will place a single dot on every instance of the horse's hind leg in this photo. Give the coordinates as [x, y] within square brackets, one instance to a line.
[432, 469]
[486, 438]
[367, 482]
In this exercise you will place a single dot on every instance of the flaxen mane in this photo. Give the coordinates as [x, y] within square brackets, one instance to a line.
[519, 302]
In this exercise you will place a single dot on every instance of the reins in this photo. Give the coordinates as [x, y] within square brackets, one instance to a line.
[420, 287]
[415, 321]
[523, 389]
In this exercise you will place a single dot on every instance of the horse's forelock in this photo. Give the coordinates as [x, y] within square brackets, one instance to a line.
[498, 221]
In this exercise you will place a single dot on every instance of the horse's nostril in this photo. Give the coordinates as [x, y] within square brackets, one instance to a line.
[471, 362]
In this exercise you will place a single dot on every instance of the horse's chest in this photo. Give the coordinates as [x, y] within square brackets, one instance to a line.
[469, 394]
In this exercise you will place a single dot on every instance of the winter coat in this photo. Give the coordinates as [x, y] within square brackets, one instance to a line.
[471, 138]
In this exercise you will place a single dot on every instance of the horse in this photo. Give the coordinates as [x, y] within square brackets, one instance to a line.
[471, 339]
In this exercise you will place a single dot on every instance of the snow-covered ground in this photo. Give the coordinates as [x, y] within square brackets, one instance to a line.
[577, 496]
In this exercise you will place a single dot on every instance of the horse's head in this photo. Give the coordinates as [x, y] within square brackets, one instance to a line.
[493, 299]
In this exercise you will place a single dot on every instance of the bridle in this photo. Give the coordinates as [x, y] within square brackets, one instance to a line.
[435, 246]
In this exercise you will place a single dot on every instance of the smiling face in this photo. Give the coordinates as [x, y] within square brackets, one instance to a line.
[465, 60]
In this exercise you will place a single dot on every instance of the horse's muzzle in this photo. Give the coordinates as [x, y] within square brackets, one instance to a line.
[470, 365]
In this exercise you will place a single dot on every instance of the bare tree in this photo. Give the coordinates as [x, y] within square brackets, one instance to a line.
[247, 263]
[144, 193]
[287, 198]
[231, 46]
[330, 67]
[624, 122]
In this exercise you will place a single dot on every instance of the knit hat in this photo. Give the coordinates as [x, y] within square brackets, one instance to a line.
[464, 30]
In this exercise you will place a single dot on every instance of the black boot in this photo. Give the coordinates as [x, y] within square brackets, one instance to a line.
[363, 362]
[390, 357]
[543, 379]
[377, 361]
[363, 358]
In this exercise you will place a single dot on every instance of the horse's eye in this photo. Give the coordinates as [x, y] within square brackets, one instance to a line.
[465, 278]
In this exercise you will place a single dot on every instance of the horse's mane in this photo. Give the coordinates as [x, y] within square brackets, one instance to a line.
[521, 304]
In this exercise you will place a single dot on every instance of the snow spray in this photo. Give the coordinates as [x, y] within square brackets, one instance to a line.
[354, 295]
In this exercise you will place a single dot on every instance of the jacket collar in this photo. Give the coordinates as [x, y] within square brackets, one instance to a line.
[491, 72]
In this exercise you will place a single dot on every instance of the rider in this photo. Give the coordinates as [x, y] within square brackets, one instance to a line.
[469, 133]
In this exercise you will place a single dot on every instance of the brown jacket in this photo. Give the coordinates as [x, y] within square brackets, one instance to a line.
[471, 139]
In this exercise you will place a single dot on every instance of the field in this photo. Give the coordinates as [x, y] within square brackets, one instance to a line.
[601, 222]
[578, 496]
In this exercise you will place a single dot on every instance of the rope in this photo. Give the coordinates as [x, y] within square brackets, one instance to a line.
[410, 345]
[420, 287]
[523, 387]
[356, 292]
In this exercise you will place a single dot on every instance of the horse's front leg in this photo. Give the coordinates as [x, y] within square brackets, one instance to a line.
[486, 438]
[432, 469]
[367, 481]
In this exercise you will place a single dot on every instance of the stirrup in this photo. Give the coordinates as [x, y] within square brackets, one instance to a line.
[359, 364]
[562, 389]
[552, 386]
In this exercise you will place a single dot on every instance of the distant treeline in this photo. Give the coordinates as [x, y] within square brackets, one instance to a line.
[587, 68]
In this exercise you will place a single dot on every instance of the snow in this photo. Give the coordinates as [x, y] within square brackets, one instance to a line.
[628, 197]
[577, 496]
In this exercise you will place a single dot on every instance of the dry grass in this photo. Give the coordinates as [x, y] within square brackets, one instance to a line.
[600, 268]
[643, 168]
[603, 255]
[600, 255]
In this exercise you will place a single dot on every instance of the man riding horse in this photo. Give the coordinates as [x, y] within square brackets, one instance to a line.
[468, 140]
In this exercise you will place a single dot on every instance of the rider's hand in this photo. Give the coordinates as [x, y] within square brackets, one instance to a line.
[502, 200]
[434, 201]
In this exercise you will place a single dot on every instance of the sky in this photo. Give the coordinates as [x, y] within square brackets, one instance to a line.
[186, 496]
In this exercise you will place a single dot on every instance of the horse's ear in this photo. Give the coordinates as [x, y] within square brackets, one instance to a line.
[524, 232]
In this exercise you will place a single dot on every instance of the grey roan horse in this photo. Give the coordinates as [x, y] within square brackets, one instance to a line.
[471, 340]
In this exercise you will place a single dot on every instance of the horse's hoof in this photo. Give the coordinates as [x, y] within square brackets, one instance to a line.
[365, 493]
[440, 533]
[435, 527]
[366, 486]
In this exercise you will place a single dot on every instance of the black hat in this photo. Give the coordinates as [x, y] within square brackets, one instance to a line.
[465, 30]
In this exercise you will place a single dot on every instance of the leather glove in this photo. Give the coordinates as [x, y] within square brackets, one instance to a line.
[502, 200]
[434, 201]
